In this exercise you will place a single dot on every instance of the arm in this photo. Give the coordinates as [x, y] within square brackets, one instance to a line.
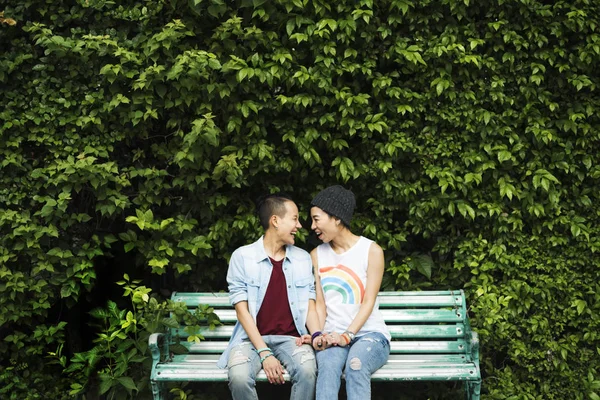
[271, 365]
[374, 278]
[238, 296]
[312, 319]
[321, 309]
[314, 322]
[320, 342]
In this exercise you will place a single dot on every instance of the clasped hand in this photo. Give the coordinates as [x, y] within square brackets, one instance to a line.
[327, 340]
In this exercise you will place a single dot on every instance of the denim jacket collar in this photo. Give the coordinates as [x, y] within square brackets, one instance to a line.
[261, 253]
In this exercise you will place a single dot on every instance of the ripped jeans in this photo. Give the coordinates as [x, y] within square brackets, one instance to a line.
[299, 361]
[365, 355]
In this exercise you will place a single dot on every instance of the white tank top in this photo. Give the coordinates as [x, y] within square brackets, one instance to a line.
[344, 279]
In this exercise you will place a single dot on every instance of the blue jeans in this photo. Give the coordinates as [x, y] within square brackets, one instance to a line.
[359, 360]
[244, 364]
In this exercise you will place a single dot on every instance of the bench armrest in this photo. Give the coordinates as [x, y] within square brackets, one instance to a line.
[159, 346]
[475, 346]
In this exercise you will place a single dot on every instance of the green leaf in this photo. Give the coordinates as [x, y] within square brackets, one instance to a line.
[127, 382]
[504, 155]
[422, 263]
[170, 322]
[106, 382]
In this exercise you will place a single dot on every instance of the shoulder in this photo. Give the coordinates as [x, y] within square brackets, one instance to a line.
[320, 250]
[314, 256]
[298, 254]
[243, 251]
[321, 247]
[375, 250]
[248, 251]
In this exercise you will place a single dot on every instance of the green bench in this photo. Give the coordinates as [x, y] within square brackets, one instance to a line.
[431, 341]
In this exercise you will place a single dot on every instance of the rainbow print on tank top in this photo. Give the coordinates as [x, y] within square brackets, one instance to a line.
[341, 279]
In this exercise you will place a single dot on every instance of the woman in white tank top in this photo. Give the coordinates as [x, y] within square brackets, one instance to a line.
[348, 270]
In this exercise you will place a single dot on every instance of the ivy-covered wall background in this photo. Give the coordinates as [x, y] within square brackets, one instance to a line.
[134, 136]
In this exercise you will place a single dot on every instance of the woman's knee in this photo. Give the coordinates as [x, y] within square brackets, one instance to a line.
[239, 378]
[356, 369]
[307, 370]
[239, 371]
[331, 358]
[304, 365]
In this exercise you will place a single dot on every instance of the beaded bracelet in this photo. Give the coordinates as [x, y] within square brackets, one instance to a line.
[263, 349]
[262, 359]
[314, 335]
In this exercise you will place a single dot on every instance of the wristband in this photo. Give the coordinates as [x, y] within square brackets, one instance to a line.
[262, 359]
[346, 338]
[263, 349]
[314, 335]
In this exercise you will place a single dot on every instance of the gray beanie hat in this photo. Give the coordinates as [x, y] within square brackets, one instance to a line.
[336, 201]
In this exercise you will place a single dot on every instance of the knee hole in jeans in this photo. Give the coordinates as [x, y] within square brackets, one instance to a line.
[355, 364]
[238, 359]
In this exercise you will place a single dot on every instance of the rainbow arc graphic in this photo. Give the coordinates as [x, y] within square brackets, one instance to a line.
[343, 280]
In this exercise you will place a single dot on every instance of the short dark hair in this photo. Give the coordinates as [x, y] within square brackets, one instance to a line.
[269, 205]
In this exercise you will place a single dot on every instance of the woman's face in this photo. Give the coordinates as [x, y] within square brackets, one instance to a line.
[325, 226]
[288, 225]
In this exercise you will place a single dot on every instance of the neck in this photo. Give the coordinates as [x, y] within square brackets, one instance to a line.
[343, 241]
[274, 247]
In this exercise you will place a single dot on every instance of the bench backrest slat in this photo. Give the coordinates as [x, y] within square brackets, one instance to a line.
[407, 315]
[397, 331]
[386, 299]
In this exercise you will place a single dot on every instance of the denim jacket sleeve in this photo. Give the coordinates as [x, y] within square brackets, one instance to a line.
[238, 291]
[312, 291]
[308, 271]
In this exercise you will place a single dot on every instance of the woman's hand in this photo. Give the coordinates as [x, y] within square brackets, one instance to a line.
[273, 370]
[335, 339]
[304, 339]
[320, 342]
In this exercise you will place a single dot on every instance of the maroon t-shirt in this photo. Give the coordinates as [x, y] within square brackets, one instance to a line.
[275, 316]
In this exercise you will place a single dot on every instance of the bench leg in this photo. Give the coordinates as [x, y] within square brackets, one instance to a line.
[158, 390]
[473, 390]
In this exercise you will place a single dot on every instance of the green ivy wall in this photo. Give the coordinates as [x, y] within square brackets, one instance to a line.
[135, 134]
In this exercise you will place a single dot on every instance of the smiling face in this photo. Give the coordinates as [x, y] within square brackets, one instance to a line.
[287, 224]
[325, 226]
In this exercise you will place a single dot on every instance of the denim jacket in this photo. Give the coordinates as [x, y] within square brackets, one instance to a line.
[248, 277]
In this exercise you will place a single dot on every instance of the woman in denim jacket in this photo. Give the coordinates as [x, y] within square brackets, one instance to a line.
[271, 286]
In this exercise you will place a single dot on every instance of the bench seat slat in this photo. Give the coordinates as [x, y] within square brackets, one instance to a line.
[426, 346]
[183, 369]
[434, 359]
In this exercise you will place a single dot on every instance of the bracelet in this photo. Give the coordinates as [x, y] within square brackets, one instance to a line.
[350, 334]
[346, 338]
[262, 359]
[314, 335]
[263, 349]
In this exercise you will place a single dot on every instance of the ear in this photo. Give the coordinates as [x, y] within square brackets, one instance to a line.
[274, 221]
